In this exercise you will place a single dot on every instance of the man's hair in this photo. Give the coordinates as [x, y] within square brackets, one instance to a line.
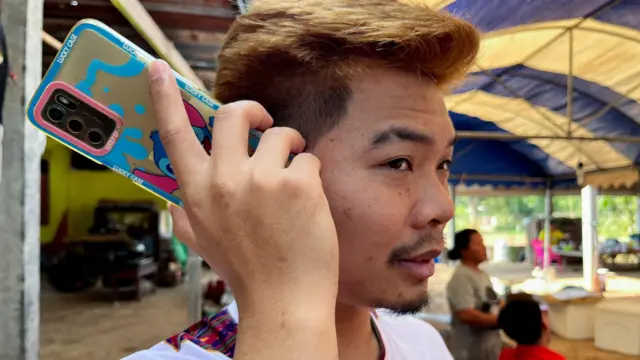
[297, 57]
[521, 319]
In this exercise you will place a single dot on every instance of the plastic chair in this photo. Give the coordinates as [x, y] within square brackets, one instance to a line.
[538, 251]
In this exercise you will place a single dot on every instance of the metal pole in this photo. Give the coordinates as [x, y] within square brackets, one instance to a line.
[194, 273]
[589, 236]
[547, 227]
[570, 85]
[20, 188]
[637, 213]
[451, 226]
[492, 135]
[603, 110]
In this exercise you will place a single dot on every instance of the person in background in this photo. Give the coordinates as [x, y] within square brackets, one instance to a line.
[556, 235]
[473, 302]
[526, 322]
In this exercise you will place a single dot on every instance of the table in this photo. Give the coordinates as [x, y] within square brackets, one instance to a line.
[566, 254]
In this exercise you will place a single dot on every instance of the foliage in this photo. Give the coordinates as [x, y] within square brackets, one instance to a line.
[508, 214]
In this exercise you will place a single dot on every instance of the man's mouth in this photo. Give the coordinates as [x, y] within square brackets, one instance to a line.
[421, 266]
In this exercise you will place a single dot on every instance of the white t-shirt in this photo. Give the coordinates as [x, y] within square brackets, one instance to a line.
[403, 337]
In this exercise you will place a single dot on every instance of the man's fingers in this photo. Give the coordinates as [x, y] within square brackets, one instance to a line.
[182, 228]
[275, 146]
[305, 164]
[231, 130]
[182, 146]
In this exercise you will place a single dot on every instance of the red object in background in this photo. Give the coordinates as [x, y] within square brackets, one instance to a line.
[530, 352]
[215, 290]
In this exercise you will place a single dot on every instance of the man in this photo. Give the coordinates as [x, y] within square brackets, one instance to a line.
[355, 221]
[473, 302]
[526, 322]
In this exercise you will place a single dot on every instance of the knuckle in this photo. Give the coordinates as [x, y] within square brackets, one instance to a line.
[223, 194]
[264, 181]
[296, 183]
[221, 188]
[240, 109]
[158, 89]
[284, 136]
[311, 161]
[168, 134]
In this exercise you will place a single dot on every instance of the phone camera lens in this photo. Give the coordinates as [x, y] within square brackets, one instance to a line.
[55, 113]
[75, 125]
[95, 137]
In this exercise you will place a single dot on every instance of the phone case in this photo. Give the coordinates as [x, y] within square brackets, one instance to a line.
[110, 73]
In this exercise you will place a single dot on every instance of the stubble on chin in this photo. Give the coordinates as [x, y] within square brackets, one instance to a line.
[410, 307]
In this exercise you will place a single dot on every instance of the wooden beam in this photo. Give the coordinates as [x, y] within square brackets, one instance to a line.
[190, 17]
[51, 41]
[147, 27]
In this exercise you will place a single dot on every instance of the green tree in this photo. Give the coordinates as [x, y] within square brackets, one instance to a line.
[506, 215]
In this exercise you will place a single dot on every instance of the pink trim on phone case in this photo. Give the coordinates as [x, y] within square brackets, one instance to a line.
[108, 145]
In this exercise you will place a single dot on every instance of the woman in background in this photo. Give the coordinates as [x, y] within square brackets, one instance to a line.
[473, 302]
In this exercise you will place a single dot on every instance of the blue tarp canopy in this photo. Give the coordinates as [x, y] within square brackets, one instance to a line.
[534, 53]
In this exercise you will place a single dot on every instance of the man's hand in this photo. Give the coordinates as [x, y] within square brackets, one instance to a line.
[265, 228]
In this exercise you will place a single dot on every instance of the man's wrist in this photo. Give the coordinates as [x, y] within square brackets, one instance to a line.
[320, 295]
[265, 329]
[296, 307]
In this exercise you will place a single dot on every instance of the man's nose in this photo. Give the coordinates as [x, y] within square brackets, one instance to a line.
[435, 206]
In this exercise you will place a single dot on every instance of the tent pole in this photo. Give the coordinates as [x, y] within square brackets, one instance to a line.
[194, 287]
[589, 236]
[494, 135]
[637, 230]
[570, 85]
[547, 226]
[451, 226]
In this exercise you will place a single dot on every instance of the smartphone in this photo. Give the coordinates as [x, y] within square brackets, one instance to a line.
[95, 99]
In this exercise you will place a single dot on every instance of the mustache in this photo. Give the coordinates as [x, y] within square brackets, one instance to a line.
[405, 251]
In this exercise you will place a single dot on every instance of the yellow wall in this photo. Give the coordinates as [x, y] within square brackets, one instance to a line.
[80, 190]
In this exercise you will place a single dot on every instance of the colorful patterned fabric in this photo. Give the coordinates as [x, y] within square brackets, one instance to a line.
[216, 332]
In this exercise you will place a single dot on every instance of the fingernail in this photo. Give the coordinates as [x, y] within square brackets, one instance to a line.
[158, 71]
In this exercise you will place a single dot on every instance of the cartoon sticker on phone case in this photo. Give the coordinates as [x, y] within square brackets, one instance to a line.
[167, 180]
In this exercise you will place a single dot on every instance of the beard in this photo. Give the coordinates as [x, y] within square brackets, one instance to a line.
[404, 308]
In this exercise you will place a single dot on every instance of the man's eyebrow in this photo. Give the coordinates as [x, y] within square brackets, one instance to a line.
[402, 133]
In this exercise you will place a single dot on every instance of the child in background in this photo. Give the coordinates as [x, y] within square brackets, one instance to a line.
[526, 322]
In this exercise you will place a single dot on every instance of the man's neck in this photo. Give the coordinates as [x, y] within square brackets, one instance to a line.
[472, 264]
[356, 339]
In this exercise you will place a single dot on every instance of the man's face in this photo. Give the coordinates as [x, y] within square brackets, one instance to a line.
[385, 170]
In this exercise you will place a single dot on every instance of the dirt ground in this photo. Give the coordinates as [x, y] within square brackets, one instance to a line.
[90, 326]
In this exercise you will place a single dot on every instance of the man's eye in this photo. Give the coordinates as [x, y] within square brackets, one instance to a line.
[400, 165]
[445, 165]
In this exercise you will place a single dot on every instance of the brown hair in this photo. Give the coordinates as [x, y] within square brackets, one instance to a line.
[296, 57]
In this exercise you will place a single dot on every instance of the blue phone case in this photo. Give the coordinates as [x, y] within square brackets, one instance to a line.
[109, 72]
